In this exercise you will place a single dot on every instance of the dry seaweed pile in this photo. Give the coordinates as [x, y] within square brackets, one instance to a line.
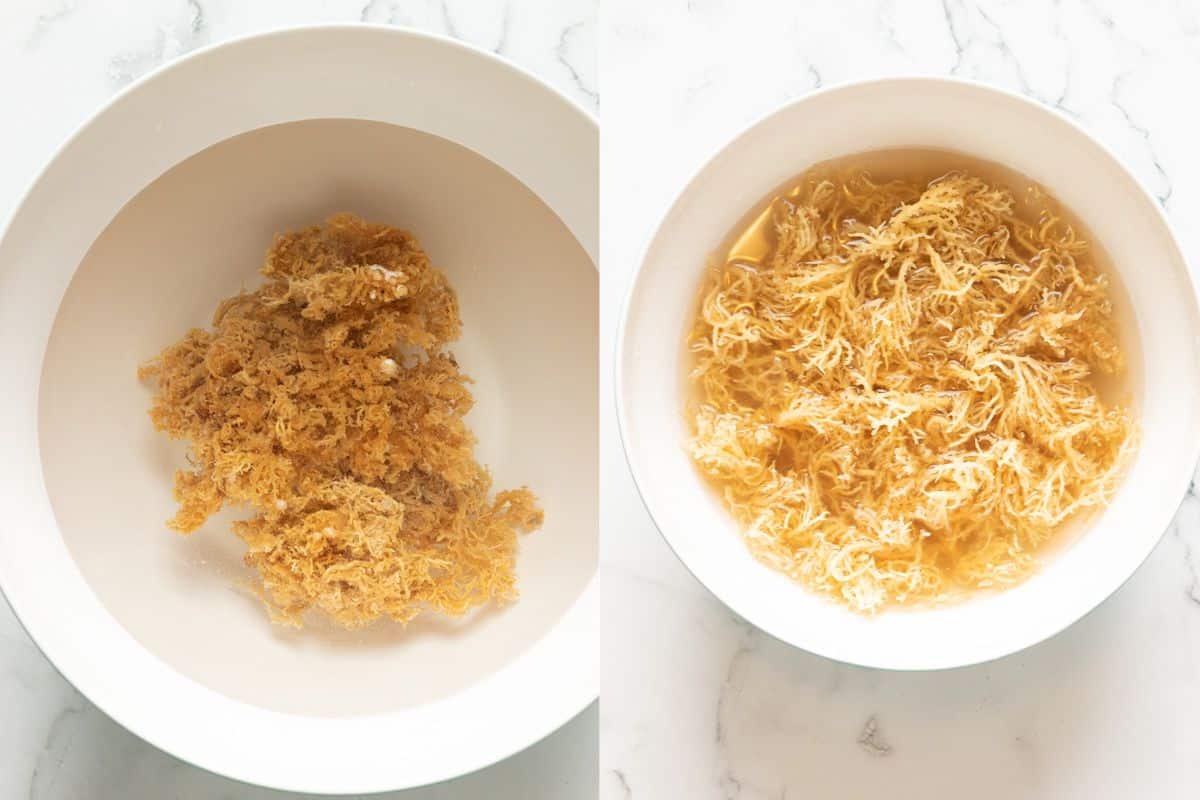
[898, 404]
[325, 402]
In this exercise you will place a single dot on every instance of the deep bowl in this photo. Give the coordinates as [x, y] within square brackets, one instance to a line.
[164, 203]
[977, 121]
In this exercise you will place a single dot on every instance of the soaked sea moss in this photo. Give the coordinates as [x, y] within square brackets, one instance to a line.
[898, 404]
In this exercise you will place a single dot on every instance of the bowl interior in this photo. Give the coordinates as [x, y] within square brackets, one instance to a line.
[985, 124]
[198, 234]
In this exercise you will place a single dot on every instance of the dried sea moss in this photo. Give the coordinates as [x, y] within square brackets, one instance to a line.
[899, 404]
[325, 401]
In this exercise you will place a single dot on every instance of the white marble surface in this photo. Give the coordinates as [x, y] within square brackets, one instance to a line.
[60, 60]
[698, 705]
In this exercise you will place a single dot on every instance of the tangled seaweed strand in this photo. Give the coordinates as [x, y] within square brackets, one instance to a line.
[898, 404]
[325, 402]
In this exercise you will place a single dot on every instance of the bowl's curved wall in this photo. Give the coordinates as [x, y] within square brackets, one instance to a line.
[197, 235]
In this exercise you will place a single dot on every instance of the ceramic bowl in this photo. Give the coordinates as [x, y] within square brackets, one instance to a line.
[164, 203]
[977, 121]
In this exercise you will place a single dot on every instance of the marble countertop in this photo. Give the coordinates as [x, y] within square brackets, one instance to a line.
[60, 60]
[697, 704]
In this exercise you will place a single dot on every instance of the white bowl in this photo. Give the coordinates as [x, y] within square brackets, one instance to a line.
[978, 121]
[165, 202]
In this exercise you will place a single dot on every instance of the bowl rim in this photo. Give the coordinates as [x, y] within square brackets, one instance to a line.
[620, 393]
[401, 31]
[581, 614]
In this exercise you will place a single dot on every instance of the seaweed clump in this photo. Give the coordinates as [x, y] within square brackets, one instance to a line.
[325, 402]
[898, 402]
